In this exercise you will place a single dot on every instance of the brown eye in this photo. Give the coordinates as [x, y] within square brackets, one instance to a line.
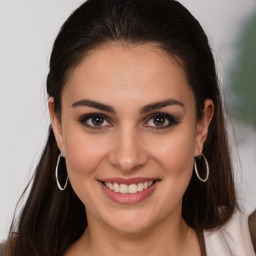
[97, 121]
[159, 120]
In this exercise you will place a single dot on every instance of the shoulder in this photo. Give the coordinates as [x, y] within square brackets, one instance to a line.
[233, 239]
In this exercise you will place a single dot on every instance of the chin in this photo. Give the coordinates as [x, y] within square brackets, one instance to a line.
[130, 222]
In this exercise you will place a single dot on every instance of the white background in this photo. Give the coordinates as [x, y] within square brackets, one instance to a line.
[27, 31]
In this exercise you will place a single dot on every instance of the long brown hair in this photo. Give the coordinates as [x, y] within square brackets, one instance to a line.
[52, 220]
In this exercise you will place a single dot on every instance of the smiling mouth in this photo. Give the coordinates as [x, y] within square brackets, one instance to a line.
[129, 189]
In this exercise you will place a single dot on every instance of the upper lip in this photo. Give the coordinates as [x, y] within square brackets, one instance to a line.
[129, 181]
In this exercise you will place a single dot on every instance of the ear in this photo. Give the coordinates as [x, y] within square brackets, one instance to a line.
[56, 125]
[203, 125]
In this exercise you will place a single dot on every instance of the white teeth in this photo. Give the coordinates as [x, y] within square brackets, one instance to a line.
[140, 187]
[145, 185]
[123, 189]
[133, 189]
[116, 187]
[128, 189]
[110, 186]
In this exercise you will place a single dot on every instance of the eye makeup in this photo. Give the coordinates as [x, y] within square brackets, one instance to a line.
[161, 120]
[95, 121]
[157, 121]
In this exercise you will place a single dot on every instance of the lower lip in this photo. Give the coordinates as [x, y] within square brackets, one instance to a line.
[129, 198]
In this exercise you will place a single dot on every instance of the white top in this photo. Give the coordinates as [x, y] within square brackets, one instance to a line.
[233, 239]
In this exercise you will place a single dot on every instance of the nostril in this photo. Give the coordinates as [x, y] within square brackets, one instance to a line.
[127, 154]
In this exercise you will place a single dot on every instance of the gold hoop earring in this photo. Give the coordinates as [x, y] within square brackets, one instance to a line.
[56, 175]
[207, 168]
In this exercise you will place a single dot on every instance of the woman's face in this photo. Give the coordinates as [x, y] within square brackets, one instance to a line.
[129, 134]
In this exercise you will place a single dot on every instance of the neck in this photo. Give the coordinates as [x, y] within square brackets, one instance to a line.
[170, 237]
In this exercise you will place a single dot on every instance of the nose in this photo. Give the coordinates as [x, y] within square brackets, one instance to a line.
[128, 152]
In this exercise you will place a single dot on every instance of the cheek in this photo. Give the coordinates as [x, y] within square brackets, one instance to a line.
[83, 154]
[176, 151]
[175, 156]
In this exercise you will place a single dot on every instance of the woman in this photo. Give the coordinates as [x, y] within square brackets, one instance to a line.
[137, 158]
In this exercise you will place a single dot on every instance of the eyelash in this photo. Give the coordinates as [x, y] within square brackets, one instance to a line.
[172, 120]
[84, 120]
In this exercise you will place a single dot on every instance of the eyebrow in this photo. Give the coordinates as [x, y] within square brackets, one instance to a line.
[93, 104]
[144, 109]
[161, 104]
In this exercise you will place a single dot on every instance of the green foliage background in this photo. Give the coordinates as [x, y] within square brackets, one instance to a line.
[243, 76]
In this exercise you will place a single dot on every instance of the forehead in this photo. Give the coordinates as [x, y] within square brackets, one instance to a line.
[116, 71]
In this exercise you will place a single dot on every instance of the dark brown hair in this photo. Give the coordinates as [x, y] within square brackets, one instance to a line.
[52, 220]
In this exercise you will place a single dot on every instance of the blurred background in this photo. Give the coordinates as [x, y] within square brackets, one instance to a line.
[27, 32]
